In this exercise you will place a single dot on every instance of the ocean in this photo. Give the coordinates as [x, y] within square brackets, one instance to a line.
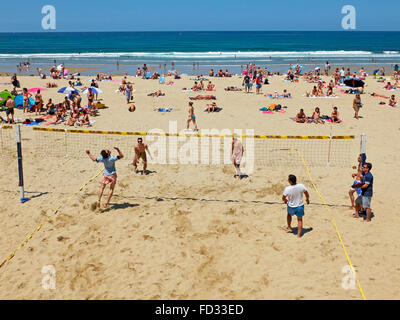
[197, 52]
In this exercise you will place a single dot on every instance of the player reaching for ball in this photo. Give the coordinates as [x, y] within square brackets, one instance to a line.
[110, 173]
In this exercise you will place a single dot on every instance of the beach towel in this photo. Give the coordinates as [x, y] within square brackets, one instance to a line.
[164, 109]
[327, 97]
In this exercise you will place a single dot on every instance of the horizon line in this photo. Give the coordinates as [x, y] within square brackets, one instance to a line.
[179, 31]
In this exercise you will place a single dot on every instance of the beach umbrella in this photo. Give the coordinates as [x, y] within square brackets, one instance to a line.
[6, 94]
[19, 101]
[354, 82]
[94, 90]
[68, 90]
[36, 89]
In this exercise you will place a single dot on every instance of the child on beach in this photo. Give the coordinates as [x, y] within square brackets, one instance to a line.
[358, 178]
[392, 101]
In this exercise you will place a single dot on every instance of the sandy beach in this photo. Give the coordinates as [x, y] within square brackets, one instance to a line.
[193, 231]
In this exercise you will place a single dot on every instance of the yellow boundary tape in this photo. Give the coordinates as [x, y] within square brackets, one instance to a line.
[135, 133]
[334, 224]
[48, 219]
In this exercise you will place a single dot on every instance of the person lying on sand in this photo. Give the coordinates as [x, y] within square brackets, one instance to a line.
[232, 88]
[301, 117]
[203, 97]
[156, 94]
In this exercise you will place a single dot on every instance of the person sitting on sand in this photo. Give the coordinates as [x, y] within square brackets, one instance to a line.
[320, 92]
[286, 94]
[314, 91]
[84, 121]
[335, 115]
[210, 86]
[329, 91]
[211, 107]
[110, 173]
[196, 87]
[203, 97]
[301, 117]
[316, 116]
[275, 95]
[49, 105]
[388, 86]
[392, 101]
[211, 73]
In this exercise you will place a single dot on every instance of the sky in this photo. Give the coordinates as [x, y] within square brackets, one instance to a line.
[199, 15]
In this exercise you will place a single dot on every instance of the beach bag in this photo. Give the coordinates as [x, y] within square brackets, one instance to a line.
[266, 81]
[278, 107]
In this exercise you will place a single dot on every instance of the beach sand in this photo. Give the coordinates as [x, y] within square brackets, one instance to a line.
[194, 232]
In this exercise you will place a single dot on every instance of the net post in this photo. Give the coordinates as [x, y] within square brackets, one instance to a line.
[363, 144]
[20, 170]
[329, 148]
[65, 143]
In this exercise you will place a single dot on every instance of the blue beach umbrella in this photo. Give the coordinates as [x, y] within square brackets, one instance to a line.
[19, 102]
[94, 90]
[68, 90]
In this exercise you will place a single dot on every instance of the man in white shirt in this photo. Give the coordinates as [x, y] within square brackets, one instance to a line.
[293, 197]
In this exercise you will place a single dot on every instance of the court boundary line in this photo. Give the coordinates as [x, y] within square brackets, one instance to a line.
[334, 224]
[48, 219]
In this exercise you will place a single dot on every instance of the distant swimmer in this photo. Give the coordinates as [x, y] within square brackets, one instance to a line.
[140, 153]
[110, 173]
[236, 155]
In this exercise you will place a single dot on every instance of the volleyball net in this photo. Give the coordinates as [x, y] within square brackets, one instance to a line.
[210, 147]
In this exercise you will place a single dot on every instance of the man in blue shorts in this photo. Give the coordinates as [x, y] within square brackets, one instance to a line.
[293, 197]
[366, 186]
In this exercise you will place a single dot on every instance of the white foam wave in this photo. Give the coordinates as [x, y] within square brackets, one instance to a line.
[206, 55]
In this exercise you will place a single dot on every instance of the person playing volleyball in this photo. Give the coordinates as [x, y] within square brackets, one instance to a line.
[140, 153]
[236, 155]
[110, 173]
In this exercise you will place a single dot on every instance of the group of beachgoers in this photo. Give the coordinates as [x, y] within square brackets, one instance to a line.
[316, 116]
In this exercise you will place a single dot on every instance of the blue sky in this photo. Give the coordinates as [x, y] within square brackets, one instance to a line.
[200, 15]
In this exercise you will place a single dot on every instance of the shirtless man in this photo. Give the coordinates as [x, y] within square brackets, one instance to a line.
[10, 110]
[335, 115]
[236, 155]
[140, 153]
[301, 117]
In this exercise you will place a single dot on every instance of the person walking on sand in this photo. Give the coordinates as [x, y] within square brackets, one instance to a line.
[357, 105]
[140, 153]
[110, 173]
[191, 118]
[236, 155]
[293, 197]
